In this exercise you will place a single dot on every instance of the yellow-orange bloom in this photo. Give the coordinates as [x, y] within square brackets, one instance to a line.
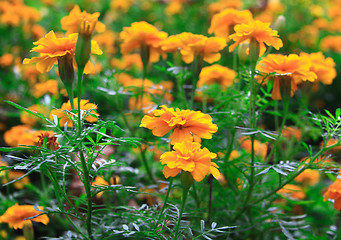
[290, 71]
[11, 175]
[258, 31]
[331, 43]
[206, 48]
[6, 60]
[216, 74]
[121, 5]
[222, 23]
[16, 216]
[142, 35]
[292, 191]
[190, 157]
[19, 135]
[220, 5]
[72, 22]
[52, 49]
[66, 117]
[127, 62]
[29, 119]
[261, 149]
[334, 192]
[187, 125]
[308, 177]
[323, 67]
[47, 87]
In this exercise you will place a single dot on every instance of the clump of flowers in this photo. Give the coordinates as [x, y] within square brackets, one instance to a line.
[66, 117]
[48, 87]
[16, 216]
[192, 45]
[222, 23]
[144, 37]
[187, 125]
[53, 50]
[216, 74]
[190, 157]
[290, 70]
[72, 22]
[257, 31]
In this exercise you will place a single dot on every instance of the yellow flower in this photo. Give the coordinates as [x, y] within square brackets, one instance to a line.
[175, 7]
[141, 35]
[292, 191]
[6, 60]
[19, 135]
[323, 67]
[308, 177]
[258, 31]
[29, 119]
[334, 192]
[220, 5]
[261, 149]
[190, 157]
[72, 22]
[186, 124]
[11, 175]
[107, 41]
[66, 117]
[290, 71]
[15, 216]
[52, 49]
[191, 45]
[47, 87]
[222, 23]
[331, 43]
[127, 62]
[216, 74]
[122, 5]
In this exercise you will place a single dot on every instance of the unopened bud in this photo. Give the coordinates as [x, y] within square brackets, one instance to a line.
[83, 46]
[186, 179]
[279, 23]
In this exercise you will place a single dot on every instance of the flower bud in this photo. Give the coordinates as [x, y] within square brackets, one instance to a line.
[83, 46]
[186, 179]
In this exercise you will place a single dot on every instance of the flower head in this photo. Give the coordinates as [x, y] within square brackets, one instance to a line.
[323, 67]
[290, 70]
[216, 74]
[72, 22]
[190, 157]
[66, 117]
[292, 191]
[334, 192]
[142, 35]
[331, 43]
[258, 31]
[16, 216]
[206, 48]
[186, 124]
[53, 49]
[308, 177]
[223, 22]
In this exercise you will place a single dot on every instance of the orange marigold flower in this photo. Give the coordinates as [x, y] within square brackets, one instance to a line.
[99, 181]
[220, 5]
[222, 23]
[127, 62]
[331, 43]
[16, 216]
[122, 5]
[308, 177]
[186, 124]
[175, 7]
[206, 48]
[141, 35]
[292, 191]
[51, 49]
[66, 117]
[261, 149]
[216, 74]
[147, 105]
[290, 71]
[6, 60]
[49, 138]
[71, 23]
[292, 132]
[258, 31]
[11, 175]
[29, 119]
[107, 41]
[19, 135]
[47, 87]
[190, 157]
[323, 67]
[334, 192]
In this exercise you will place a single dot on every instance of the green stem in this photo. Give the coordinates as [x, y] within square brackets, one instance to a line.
[196, 69]
[87, 186]
[210, 182]
[165, 202]
[79, 92]
[184, 197]
[197, 201]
